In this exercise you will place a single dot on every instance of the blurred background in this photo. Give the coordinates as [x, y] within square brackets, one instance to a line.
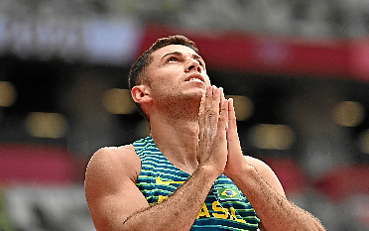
[298, 72]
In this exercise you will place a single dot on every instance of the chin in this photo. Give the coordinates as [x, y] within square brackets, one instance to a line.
[197, 93]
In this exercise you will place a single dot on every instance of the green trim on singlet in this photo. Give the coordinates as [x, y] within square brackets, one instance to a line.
[225, 208]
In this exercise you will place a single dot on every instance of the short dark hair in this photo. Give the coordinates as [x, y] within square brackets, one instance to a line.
[137, 74]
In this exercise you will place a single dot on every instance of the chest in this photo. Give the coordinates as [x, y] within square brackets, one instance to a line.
[225, 207]
[225, 204]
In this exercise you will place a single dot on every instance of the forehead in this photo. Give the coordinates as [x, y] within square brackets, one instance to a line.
[158, 54]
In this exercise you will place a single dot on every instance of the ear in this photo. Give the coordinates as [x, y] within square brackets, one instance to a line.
[141, 94]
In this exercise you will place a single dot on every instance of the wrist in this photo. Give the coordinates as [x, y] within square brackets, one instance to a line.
[208, 171]
[241, 173]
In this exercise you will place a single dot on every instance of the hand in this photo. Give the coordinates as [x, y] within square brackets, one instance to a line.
[235, 158]
[212, 142]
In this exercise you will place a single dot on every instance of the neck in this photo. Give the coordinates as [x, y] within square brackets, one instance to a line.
[176, 138]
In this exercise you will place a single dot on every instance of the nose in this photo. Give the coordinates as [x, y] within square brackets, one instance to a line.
[194, 65]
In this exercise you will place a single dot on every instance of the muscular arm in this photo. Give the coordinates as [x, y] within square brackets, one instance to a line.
[263, 189]
[179, 211]
[115, 203]
[275, 211]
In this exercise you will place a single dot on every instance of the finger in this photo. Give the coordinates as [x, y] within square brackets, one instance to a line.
[208, 97]
[208, 129]
[201, 119]
[201, 143]
[232, 135]
[216, 102]
[202, 105]
[222, 99]
[211, 109]
[231, 114]
[223, 117]
[208, 100]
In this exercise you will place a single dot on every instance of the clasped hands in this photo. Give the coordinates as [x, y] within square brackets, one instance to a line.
[218, 142]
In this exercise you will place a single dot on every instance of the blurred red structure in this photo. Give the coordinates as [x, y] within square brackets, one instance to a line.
[29, 163]
[344, 181]
[290, 174]
[268, 54]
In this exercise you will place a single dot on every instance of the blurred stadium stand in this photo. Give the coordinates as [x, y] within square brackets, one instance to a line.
[298, 71]
[36, 164]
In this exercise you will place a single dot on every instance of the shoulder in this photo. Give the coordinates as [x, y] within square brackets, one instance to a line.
[110, 186]
[260, 165]
[115, 152]
[115, 160]
[266, 173]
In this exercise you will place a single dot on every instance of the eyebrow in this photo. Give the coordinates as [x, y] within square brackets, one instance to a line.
[195, 56]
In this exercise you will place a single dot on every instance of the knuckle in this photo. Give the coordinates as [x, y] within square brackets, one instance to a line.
[222, 119]
[209, 112]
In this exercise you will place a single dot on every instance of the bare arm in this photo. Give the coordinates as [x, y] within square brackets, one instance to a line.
[110, 189]
[114, 201]
[263, 189]
[179, 211]
[275, 211]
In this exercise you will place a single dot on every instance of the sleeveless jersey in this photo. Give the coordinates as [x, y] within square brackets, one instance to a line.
[225, 208]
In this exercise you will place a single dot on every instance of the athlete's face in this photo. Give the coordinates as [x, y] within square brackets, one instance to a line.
[177, 70]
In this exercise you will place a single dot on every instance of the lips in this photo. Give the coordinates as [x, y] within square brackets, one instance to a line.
[195, 78]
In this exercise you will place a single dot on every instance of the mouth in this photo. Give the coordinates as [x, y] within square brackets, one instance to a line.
[195, 78]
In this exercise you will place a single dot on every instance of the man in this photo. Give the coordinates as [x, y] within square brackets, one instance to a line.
[190, 173]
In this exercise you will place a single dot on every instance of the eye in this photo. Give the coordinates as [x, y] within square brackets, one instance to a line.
[172, 59]
[201, 62]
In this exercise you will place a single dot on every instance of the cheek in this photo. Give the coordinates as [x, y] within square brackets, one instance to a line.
[159, 89]
[207, 80]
